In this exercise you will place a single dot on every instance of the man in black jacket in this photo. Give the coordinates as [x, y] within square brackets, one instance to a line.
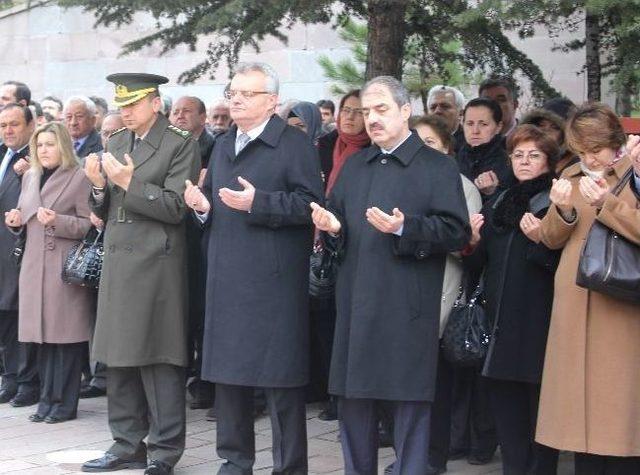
[80, 119]
[262, 178]
[20, 378]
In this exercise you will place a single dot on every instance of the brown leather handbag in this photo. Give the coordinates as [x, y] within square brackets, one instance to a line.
[610, 263]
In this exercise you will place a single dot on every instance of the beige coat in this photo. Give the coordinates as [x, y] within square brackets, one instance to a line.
[590, 398]
[51, 311]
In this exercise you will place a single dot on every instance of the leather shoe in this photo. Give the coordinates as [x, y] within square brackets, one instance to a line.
[36, 417]
[89, 392]
[157, 467]
[24, 399]
[6, 395]
[110, 463]
[57, 419]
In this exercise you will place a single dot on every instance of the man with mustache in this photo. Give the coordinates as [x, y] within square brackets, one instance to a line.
[395, 211]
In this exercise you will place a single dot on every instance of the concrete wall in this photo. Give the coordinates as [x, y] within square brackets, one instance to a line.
[59, 52]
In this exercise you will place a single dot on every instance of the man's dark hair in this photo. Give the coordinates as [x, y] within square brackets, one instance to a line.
[493, 106]
[326, 104]
[202, 109]
[499, 81]
[28, 115]
[23, 93]
[36, 107]
[53, 99]
[101, 103]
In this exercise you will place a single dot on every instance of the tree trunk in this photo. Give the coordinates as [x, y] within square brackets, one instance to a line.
[385, 38]
[594, 74]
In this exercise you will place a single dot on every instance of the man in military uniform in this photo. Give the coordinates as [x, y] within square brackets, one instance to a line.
[141, 327]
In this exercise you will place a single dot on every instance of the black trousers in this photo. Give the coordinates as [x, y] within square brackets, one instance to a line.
[147, 401]
[441, 415]
[515, 411]
[20, 360]
[60, 373]
[359, 435]
[322, 321]
[473, 431]
[589, 464]
[235, 439]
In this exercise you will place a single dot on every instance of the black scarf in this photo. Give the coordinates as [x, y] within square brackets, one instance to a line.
[514, 203]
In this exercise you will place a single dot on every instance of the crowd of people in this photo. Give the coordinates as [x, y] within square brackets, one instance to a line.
[209, 218]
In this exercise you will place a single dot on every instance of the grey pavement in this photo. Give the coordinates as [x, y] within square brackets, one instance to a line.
[51, 449]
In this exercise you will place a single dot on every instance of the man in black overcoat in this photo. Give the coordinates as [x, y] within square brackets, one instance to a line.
[262, 177]
[395, 211]
[20, 384]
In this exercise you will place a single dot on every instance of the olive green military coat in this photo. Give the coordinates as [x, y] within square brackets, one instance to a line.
[142, 301]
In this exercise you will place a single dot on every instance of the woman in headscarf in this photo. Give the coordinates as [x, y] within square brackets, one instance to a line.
[306, 116]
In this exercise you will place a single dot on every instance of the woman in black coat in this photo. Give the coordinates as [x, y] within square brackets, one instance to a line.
[483, 159]
[518, 279]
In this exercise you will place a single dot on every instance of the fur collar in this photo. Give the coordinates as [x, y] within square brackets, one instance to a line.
[512, 204]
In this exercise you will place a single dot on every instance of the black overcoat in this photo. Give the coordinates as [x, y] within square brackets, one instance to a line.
[389, 288]
[9, 194]
[518, 289]
[256, 322]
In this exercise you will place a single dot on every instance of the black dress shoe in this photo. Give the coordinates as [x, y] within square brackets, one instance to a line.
[6, 395]
[89, 392]
[57, 419]
[110, 463]
[158, 468]
[24, 399]
[36, 417]
[211, 414]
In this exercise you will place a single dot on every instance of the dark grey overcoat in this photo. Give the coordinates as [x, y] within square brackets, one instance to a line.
[256, 324]
[9, 194]
[389, 288]
[142, 301]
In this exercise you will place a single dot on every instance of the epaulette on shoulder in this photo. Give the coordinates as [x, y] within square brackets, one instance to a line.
[117, 131]
[182, 133]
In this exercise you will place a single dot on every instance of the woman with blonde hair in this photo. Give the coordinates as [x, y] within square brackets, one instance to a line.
[53, 210]
[590, 396]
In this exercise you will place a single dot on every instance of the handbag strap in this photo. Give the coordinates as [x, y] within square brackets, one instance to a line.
[623, 181]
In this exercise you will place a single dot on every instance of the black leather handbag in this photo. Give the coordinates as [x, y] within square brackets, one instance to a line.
[466, 336]
[83, 265]
[18, 249]
[322, 273]
[609, 263]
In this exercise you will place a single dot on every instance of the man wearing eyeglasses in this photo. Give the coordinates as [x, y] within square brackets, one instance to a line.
[255, 200]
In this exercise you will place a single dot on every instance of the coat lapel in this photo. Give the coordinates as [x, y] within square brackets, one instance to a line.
[150, 144]
[10, 176]
[55, 185]
[30, 199]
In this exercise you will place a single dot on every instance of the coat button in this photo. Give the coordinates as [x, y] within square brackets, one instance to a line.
[422, 255]
[129, 249]
[383, 161]
[151, 197]
[50, 246]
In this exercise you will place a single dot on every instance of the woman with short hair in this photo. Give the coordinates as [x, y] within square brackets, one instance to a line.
[53, 209]
[590, 396]
[518, 290]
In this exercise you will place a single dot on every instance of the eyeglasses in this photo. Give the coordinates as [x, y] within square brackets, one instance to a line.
[532, 156]
[349, 111]
[245, 94]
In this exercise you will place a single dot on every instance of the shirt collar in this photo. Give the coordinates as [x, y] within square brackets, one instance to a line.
[404, 151]
[15, 152]
[397, 145]
[255, 132]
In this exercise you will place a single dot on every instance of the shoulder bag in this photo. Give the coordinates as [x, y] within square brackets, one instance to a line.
[610, 263]
[83, 265]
